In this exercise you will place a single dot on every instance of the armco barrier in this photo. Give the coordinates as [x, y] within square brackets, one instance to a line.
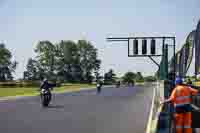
[156, 108]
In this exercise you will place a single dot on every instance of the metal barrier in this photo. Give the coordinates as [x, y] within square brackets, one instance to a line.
[161, 116]
[156, 108]
[196, 111]
[196, 100]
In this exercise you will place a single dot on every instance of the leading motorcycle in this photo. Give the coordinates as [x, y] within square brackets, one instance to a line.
[45, 97]
[45, 93]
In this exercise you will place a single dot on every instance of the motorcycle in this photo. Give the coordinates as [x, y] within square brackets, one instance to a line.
[98, 88]
[118, 84]
[45, 93]
[45, 97]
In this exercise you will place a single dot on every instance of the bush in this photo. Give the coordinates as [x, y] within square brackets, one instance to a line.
[108, 83]
[140, 81]
[150, 79]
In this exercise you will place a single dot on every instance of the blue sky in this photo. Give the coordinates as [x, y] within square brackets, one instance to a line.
[25, 22]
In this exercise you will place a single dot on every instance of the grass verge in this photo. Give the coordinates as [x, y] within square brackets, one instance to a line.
[22, 91]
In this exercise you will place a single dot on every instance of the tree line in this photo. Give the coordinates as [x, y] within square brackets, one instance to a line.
[65, 61]
[128, 77]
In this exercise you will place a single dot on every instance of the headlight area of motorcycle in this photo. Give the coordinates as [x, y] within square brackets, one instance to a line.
[43, 91]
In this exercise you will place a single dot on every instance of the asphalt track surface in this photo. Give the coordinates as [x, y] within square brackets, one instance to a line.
[115, 110]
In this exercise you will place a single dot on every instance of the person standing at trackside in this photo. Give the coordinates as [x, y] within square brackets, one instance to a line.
[181, 98]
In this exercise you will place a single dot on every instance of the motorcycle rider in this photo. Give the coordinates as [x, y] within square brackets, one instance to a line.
[99, 85]
[181, 98]
[118, 84]
[46, 85]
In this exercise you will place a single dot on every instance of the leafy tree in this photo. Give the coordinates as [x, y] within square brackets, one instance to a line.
[129, 77]
[46, 58]
[68, 61]
[89, 63]
[64, 61]
[7, 66]
[32, 72]
[139, 77]
[96, 70]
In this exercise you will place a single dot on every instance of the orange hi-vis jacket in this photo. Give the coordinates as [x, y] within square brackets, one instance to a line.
[181, 95]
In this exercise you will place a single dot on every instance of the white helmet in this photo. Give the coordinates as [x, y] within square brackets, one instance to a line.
[45, 80]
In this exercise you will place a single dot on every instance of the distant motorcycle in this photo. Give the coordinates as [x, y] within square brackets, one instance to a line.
[131, 84]
[118, 84]
[99, 88]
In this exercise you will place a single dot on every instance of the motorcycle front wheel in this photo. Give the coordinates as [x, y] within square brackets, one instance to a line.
[45, 100]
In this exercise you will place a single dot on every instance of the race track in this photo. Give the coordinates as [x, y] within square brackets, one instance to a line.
[115, 110]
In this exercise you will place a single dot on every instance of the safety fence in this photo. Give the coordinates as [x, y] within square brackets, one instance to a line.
[156, 108]
[196, 100]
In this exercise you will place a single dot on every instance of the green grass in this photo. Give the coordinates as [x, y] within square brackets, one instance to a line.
[72, 87]
[22, 91]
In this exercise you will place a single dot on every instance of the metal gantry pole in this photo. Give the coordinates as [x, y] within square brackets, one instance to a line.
[174, 47]
[128, 47]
